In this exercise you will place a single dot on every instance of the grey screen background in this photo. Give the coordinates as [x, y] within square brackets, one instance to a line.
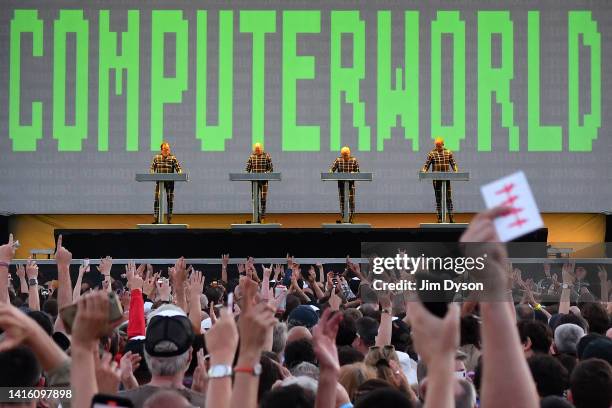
[48, 181]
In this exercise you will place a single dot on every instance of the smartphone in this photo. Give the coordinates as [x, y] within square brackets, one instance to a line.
[68, 313]
[230, 302]
[434, 298]
[287, 278]
[277, 291]
[107, 401]
[335, 279]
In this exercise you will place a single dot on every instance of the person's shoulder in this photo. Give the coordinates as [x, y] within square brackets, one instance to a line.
[268, 156]
[449, 151]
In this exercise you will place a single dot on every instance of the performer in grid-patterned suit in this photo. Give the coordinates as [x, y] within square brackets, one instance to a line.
[346, 164]
[260, 162]
[441, 159]
[165, 163]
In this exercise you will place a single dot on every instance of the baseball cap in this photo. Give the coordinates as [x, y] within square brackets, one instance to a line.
[303, 315]
[169, 332]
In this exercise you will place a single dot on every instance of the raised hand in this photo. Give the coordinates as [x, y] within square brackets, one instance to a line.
[108, 374]
[267, 272]
[200, 374]
[20, 271]
[127, 365]
[163, 290]
[84, 269]
[222, 339]
[434, 338]
[31, 269]
[224, 260]
[105, 266]
[7, 251]
[63, 257]
[602, 273]
[334, 301]
[148, 286]
[17, 326]
[196, 284]
[324, 341]
[91, 321]
[241, 268]
[178, 274]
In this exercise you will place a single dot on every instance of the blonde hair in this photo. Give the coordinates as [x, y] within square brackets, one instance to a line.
[353, 375]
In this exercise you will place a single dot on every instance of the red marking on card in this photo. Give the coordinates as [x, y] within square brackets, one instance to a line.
[507, 189]
[518, 223]
[510, 201]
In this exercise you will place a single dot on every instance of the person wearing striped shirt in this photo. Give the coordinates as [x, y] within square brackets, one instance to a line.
[165, 162]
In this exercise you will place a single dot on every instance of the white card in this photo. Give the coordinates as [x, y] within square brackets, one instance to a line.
[513, 191]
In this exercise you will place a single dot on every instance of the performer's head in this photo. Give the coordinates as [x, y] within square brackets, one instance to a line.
[439, 142]
[165, 149]
[257, 148]
[345, 152]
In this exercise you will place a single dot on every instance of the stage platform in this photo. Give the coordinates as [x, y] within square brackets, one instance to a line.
[211, 243]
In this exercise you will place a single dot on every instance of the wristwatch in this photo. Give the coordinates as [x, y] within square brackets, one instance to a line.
[387, 311]
[33, 281]
[220, 371]
[567, 286]
[255, 370]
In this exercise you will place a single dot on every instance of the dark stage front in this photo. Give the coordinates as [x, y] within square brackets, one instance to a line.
[211, 243]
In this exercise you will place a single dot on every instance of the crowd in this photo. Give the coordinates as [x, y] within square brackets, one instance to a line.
[276, 336]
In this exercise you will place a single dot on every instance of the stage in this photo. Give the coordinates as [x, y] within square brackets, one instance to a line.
[211, 243]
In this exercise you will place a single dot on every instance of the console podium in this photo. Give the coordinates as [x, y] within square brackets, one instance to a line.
[254, 178]
[440, 176]
[158, 177]
[346, 178]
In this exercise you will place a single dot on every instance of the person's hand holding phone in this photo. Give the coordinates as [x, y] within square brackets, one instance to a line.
[163, 290]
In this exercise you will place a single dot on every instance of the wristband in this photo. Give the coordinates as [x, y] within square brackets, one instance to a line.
[5, 264]
[32, 281]
[537, 307]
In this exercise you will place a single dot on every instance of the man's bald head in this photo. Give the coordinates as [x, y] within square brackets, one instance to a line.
[298, 333]
[167, 398]
[258, 148]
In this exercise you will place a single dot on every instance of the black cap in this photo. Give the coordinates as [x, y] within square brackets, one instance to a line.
[168, 336]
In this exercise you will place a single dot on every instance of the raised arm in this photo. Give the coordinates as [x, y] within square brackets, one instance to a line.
[436, 341]
[567, 273]
[63, 257]
[90, 323]
[501, 346]
[324, 343]
[19, 328]
[32, 274]
[224, 263]
[249, 164]
[270, 168]
[254, 322]
[221, 344]
[7, 252]
[76, 292]
[386, 319]
[196, 286]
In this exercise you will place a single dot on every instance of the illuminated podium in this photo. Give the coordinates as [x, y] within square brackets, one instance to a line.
[255, 178]
[440, 176]
[163, 196]
[346, 178]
